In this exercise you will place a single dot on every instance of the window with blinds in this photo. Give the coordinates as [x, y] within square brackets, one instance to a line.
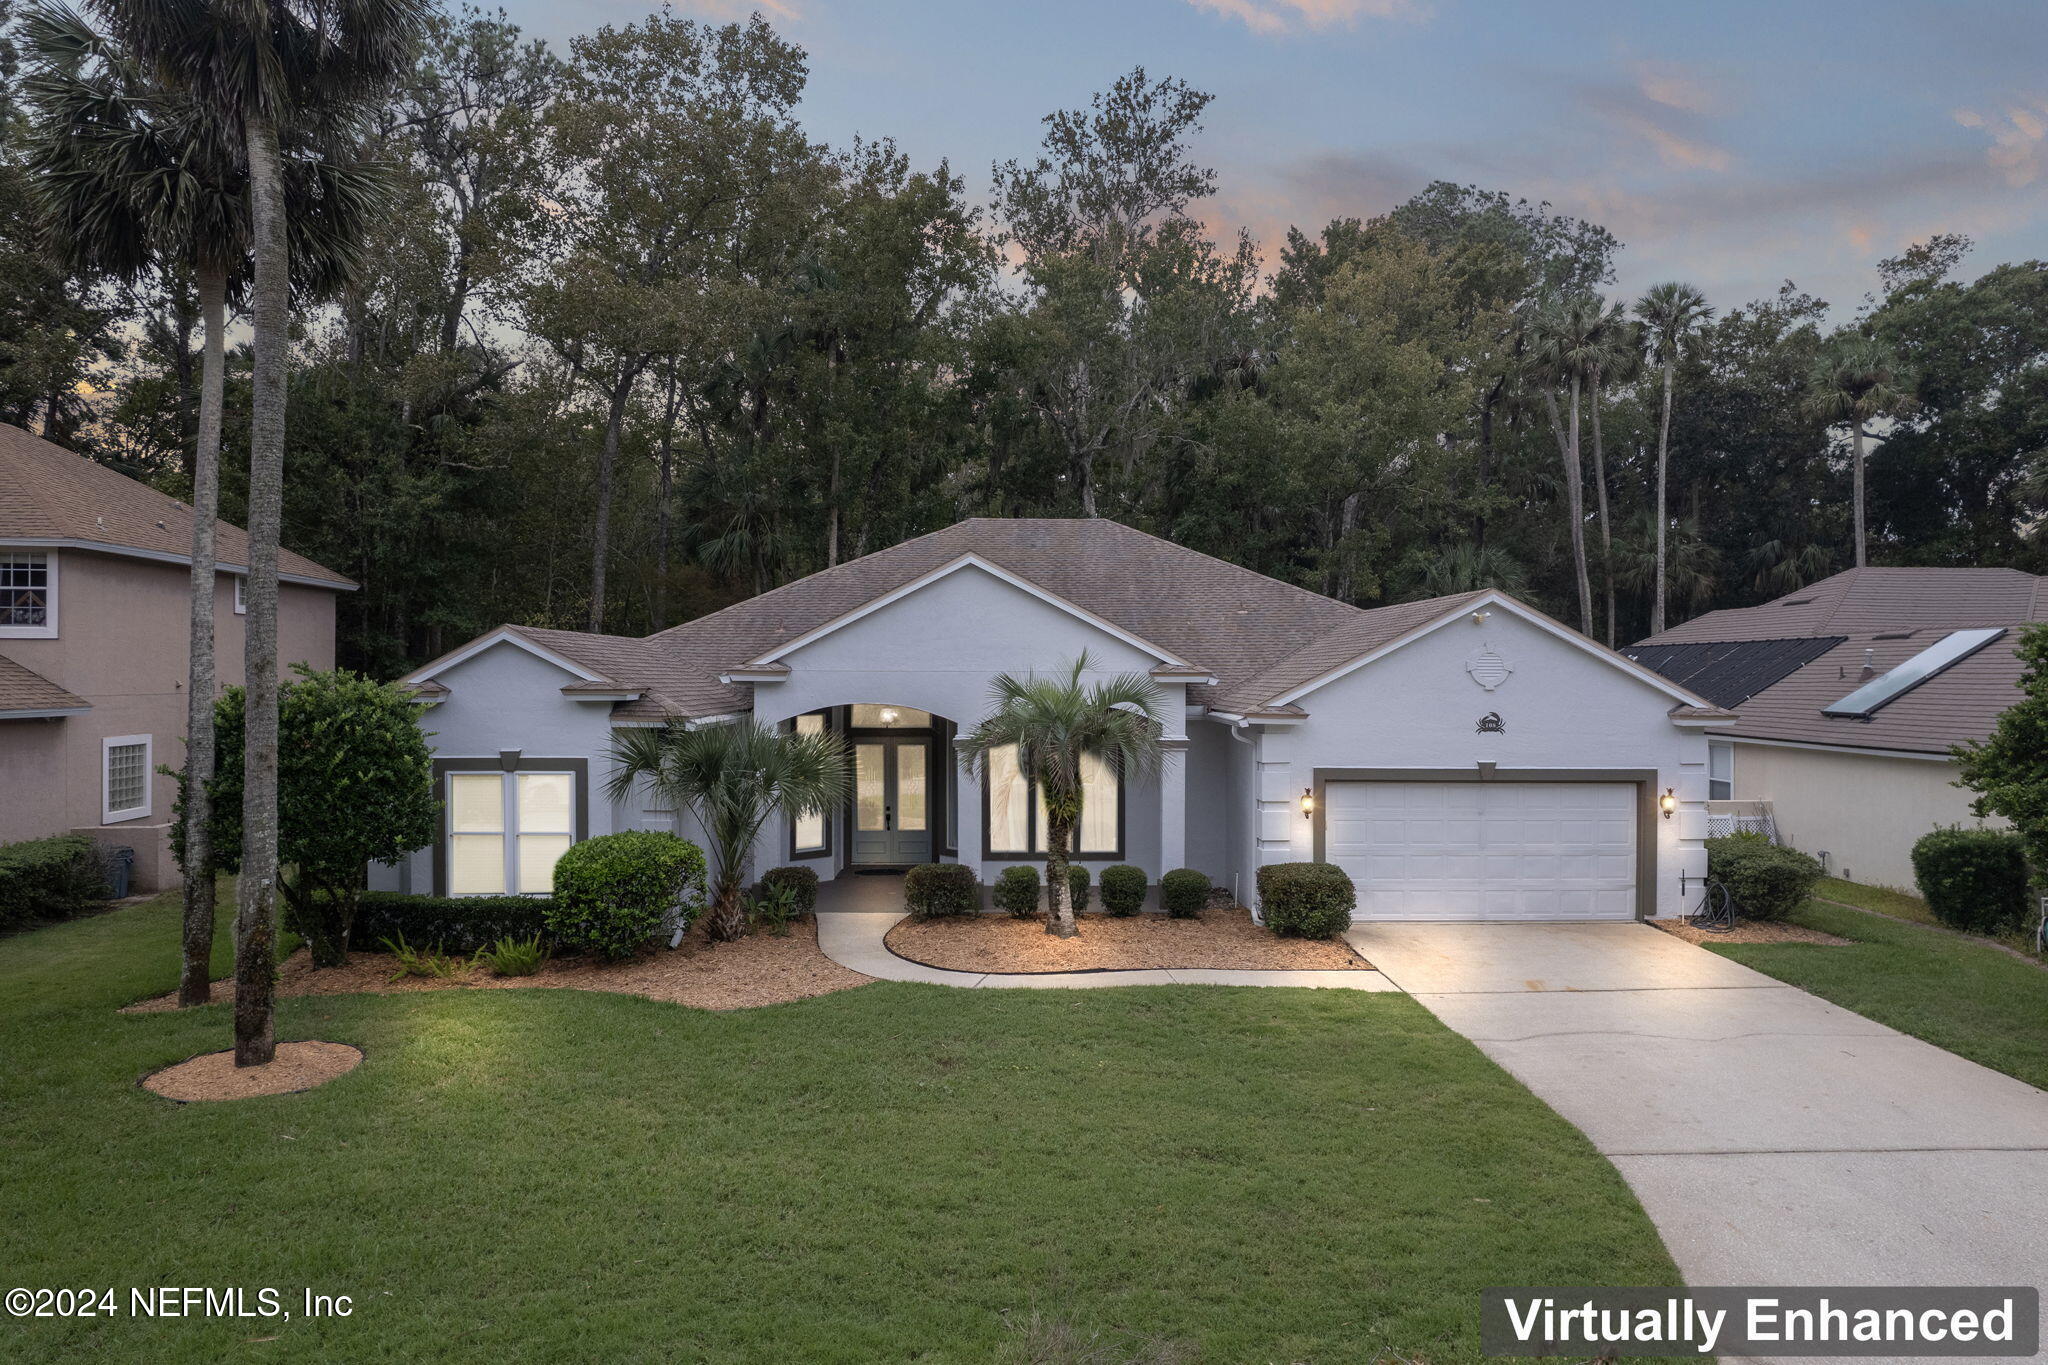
[1016, 808]
[506, 831]
[809, 832]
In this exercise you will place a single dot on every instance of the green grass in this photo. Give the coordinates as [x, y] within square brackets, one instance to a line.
[897, 1172]
[1882, 899]
[1965, 996]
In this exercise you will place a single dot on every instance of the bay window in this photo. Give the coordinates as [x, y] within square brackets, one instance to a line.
[1016, 822]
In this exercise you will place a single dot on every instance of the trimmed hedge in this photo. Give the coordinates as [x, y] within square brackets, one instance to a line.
[1973, 879]
[935, 890]
[451, 924]
[616, 891]
[1077, 887]
[53, 878]
[1767, 882]
[1306, 900]
[1017, 891]
[1184, 892]
[1123, 889]
[801, 880]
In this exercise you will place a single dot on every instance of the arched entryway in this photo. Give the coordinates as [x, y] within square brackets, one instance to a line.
[901, 807]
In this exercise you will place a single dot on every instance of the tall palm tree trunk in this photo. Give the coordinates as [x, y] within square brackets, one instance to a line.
[607, 461]
[1059, 900]
[1856, 437]
[1574, 498]
[195, 982]
[270, 306]
[1663, 467]
[1600, 487]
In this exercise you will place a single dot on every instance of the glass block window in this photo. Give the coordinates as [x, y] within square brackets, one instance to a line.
[126, 792]
[24, 588]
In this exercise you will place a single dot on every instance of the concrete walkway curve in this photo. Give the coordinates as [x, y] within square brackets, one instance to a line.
[855, 939]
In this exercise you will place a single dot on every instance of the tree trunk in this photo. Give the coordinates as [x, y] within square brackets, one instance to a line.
[608, 458]
[661, 506]
[1663, 466]
[1600, 487]
[195, 982]
[1084, 471]
[256, 902]
[1856, 438]
[832, 512]
[1574, 498]
[1059, 899]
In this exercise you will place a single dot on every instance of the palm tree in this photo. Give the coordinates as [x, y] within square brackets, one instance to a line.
[1853, 380]
[1055, 723]
[1615, 356]
[264, 66]
[1564, 346]
[134, 179]
[732, 777]
[1672, 315]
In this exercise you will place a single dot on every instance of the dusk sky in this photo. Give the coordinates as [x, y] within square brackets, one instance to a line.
[1731, 144]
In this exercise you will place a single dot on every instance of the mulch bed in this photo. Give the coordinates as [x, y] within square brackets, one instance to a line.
[214, 1075]
[1751, 931]
[1222, 938]
[756, 970]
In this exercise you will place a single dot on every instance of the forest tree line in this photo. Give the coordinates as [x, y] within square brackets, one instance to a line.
[623, 344]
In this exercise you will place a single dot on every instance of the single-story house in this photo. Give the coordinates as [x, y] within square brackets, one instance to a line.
[96, 643]
[1464, 757]
[1853, 692]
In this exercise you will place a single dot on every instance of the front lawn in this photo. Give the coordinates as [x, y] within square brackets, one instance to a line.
[1968, 997]
[897, 1172]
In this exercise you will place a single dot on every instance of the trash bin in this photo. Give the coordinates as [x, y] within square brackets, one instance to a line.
[120, 864]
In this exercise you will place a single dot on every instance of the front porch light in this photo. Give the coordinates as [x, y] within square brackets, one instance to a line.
[889, 714]
[1308, 801]
[1668, 802]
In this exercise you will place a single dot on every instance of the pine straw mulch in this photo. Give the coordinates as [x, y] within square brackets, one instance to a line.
[1751, 931]
[756, 970]
[214, 1075]
[1221, 938]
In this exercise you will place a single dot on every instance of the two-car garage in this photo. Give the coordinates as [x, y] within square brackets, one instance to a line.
[1487, 850]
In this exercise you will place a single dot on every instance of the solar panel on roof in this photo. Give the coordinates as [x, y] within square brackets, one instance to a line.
[1952, 649]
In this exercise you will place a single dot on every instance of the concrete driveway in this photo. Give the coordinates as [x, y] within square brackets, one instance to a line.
[1773, 1138]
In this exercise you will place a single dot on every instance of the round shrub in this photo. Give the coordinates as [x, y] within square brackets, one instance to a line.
[801, 881]
[616, 891]
[1766, 881]
[1077, 887]
[1123, 889]
[1184, 892]
[1306, 900]
[1974, 879]
[934, 890]
[1017, 891]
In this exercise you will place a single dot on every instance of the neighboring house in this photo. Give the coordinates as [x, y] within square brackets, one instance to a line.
[1852, 693]
[95, 630]
[1462, 758]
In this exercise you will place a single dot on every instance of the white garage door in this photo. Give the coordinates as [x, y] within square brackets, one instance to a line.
[1485, 850]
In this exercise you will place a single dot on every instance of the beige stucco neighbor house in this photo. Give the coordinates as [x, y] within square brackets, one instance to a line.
[1852, 692]
[94, 654]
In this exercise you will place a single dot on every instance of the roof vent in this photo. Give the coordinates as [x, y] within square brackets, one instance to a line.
[1881, 691]
[1869, 670]
[1796, 602]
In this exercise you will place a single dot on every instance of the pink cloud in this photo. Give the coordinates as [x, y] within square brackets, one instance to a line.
[1287, 16]
[1674, 87]
[2019, 138]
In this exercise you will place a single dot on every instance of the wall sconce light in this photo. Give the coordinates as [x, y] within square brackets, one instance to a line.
[1668, 802]
[1308, 801]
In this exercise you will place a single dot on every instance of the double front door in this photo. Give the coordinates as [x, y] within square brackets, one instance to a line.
[892, 818]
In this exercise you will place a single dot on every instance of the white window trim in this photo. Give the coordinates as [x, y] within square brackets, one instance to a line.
[48, 630]
[241, 595]
[509, 829]
[108, 815]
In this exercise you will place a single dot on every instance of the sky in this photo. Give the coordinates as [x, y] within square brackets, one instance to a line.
[1732, 144]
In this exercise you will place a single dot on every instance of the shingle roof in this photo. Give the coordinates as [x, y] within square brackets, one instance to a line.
[1255, 635]
[23, 689]
[1890, 615]
[48, 493]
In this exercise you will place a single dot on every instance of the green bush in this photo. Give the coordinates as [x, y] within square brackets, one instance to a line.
[1077, 886]
[935, 890]
[1184, 892]
[1123, 890]
[456, 924]
[1306, 900]
[616, 891]
[1767, 882]
[54, 878]
[802, 882]
[1973, 879]
[1017, 891]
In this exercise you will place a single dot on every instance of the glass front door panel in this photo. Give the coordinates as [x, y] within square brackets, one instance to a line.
[870, 787]
[910, 775]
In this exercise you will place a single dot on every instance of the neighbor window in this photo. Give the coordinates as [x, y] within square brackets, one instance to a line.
[28, 593]
[1720, 772]
[1016, 809]
[506, 831]
[241, 595]
[808, 832]
[124, 792]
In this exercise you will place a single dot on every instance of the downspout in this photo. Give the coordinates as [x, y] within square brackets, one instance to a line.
[1237, 875]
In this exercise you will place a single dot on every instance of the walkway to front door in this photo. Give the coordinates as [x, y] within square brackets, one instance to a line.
[892, 817]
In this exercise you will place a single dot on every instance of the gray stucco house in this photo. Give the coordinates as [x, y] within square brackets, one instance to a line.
[1464, 757]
